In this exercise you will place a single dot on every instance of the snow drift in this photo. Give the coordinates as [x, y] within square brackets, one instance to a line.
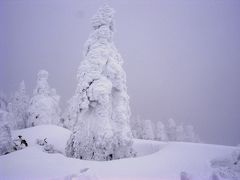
[156, 160]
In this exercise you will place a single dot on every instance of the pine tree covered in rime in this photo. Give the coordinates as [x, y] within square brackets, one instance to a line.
[3, 101]
[161, 132]
[137, 128]
[44, 105]
[180, 133]
[20, 102]
[6, 143]
[190, 135]
[147, 132]
[99, 111]
[171, 129]
[10, 117]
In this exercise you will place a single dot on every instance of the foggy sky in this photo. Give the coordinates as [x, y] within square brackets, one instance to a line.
[182, 58]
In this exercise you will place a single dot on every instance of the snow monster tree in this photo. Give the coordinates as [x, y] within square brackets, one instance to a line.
[44, 105]
[99, 111]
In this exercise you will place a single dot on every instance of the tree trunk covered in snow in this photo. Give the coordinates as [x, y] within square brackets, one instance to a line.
[99, 111]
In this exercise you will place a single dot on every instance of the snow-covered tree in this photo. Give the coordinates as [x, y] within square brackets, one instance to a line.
[137, 127]
[180, 133]
[147, 132]
[99, 110]
[10, 118]
[190, 135]
[6, 143]
[161, 134]
[171, 129]
[19, 103]
[44, 105]
[3, 101]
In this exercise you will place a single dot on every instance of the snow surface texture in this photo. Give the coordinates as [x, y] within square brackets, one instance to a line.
[229, 166]
[99, 111]
[43, 108]
[159, 161]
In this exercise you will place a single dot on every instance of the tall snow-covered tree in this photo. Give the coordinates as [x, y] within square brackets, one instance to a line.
[161, 134]
[147, 132]
[99, 111]
[44, 105]
[20, 102]
[171, 129]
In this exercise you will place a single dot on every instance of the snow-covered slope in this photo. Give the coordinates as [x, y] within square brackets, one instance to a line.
[156, 160]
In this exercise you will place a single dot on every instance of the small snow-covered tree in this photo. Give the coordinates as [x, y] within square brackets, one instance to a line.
[3, 101]
[180, 133]
[190, 135]
[99, 111]
[137, 127]
[20, 102]
[161, 132]
[171, 129]
[10, 118]
[44, 105]
[147, 132]
[6, 143]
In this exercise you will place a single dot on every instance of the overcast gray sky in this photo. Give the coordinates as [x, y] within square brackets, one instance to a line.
[182, 58]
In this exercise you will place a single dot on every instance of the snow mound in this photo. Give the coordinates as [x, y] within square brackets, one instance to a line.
[57, 136]
[156, 161]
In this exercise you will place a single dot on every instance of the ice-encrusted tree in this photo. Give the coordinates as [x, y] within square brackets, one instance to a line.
[44, 105]
[99, 112]
[147, 132]
[171, 129]
[161, 134]
[6, 142]
[20, 102]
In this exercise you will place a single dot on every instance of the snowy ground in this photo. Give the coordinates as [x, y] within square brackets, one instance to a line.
[156, 160]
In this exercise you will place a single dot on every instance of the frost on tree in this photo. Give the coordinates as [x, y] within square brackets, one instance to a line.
[147, 132]
[19, 103]
[44, 105]
[99, 111]
[6, 143]
[161, 132]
